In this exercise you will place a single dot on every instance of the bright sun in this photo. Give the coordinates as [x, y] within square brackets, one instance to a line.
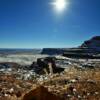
[60, 5]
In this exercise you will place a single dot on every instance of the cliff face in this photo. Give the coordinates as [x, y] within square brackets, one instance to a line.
[92, 43]
[87, 50]
[91, 46]
[52, 51]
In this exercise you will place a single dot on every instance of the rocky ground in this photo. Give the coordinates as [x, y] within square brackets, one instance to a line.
[28, 75]
[72, 84]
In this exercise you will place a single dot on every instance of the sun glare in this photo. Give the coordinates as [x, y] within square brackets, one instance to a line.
[60, 5]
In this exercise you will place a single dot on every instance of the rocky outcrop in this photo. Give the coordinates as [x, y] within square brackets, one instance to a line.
[92, 43]
[40, 93]
[52, 51]
[9, 65]
[89, 49]
[46, 65]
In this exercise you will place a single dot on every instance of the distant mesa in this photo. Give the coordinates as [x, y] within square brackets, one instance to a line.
[90, 49]
[52, 51]
[87, 50]
[92, 43]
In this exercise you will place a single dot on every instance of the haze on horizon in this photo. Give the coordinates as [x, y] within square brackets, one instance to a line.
[48, 23]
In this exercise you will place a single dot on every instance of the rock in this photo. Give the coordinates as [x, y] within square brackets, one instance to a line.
[11, 90]
[74, 90]
[90, 49]
[18, 94]
[52, 51]
[96, 93]
[46, 65]
[40, 93]
[73, 80]
[92, 43]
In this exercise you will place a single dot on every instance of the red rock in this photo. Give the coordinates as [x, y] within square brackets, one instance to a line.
[18, 94]
[40, 93]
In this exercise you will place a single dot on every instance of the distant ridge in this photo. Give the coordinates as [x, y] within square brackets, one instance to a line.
[19, 51]
[92, 43]
[52, 51]
[88, 48]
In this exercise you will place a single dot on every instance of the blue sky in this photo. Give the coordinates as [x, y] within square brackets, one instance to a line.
[34, 24]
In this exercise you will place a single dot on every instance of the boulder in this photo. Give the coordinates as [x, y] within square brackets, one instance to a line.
[48, 64]
[40, 93]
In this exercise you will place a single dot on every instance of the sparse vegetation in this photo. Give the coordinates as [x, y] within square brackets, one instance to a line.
[72, 84]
